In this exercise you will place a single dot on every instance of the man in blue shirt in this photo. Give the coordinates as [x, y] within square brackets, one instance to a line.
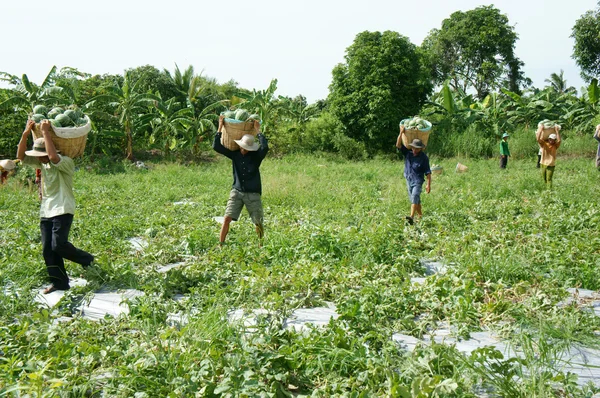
[247, 188]
[416, 167]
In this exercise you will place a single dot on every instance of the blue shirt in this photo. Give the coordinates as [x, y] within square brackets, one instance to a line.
[246, 173]
[415, 167]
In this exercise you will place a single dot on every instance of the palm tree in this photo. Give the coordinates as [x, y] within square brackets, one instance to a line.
[128, 105]
[559, 84]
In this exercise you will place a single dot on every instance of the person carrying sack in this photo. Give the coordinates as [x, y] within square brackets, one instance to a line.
[549, 148]
[247, 187]
[58, 205]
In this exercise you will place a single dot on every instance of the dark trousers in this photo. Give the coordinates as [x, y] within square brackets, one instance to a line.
[56, 247]
[503, 161]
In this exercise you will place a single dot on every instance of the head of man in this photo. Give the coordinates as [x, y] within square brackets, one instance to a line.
[416, 146]
[39, 150]
[247, 144]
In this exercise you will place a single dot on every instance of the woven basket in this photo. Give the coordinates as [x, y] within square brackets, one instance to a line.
[234, 131]
[410, 135]
[70, 141]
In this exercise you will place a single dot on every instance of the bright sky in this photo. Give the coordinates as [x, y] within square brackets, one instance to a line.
[252, 42]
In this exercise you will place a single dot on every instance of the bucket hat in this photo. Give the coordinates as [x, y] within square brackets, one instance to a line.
[248, 143]
[417, 143]
[552, 136]
[39, 148]
[505, 135]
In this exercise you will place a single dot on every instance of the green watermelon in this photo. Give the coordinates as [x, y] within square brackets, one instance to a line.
[55, 112]
[229, 114]
[254, 116]
[64, 120]
[81, 121]
[40, 110]
[55, 123]
[38, 117]
[241, 115]
[71, 114]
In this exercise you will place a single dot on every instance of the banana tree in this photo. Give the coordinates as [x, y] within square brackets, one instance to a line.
[167, 124]
[27, 94]
[583, 114]
[128, 105]
[262, 102]
[201, 122]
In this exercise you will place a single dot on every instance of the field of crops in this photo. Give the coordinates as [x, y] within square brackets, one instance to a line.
[335, 239]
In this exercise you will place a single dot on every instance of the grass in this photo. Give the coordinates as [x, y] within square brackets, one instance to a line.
[335, 231]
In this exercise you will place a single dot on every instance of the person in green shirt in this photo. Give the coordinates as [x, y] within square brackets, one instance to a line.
[504, 152]
[58, 205]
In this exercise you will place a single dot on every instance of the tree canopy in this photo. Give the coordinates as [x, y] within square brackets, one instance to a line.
[586, 51]
[382, 81]
[475, 50]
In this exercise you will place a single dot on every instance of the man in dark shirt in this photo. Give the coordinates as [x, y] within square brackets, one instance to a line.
[247, 188]
[416, 168]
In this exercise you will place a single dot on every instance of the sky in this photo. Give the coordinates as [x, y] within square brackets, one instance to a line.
[252, 42]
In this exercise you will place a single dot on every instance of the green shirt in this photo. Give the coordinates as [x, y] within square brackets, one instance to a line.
[504, 148]
[57, 186]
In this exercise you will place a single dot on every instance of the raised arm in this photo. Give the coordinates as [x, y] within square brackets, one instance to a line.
[50, 148]
[538, 135]
[22, 147]
[597, 133]
[558, 139]
[264, 144]
[217, 146]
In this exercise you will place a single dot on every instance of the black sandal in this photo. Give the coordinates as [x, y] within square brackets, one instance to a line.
[410, 220]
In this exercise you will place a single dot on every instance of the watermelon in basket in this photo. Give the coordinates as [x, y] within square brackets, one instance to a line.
[415, 128]
[69, 130]
[236, 125]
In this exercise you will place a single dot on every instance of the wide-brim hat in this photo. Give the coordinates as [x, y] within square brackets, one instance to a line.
[248, 143]
[39, 148]
[417, 143]
[7, 164]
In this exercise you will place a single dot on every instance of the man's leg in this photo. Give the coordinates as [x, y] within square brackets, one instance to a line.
[232, 213]
[549, 175]
[254, 206]
[61, 225]
[54, 262]
[224, 229]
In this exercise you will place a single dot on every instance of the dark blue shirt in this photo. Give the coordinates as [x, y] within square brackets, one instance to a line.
[246, 173]
[415, 167]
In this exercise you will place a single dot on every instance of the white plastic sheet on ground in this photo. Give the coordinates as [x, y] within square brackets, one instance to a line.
[317, 316]
[51, 299]
[107, 302]
[138, 244]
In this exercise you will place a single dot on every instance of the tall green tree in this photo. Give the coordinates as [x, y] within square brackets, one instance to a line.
[382, 81]
[586, 51]
[474, 50]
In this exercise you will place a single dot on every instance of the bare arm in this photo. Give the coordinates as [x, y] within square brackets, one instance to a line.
[399, 140]
[428, 187]
[50, 148]
[538, 135]
[558, 139]
[22, 147]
